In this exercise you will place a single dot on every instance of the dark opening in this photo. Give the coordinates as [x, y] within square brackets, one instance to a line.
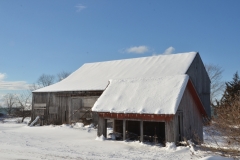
[118, 126]
[118, 129]
[179, 128]
[109, 123]
[133, 130]
[154, 132]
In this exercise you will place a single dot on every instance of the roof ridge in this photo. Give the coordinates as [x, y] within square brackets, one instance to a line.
[135, 58]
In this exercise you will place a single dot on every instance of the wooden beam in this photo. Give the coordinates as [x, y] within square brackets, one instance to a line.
[40, 105]
[114, 130]
[134, 116]
[39, 108]
[141, 131]
[124, 130]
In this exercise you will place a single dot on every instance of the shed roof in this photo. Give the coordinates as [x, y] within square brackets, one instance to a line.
[144, 96]
[95, 76]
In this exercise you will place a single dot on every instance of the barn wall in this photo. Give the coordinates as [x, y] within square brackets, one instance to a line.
[40, 109]
[102, 127]
[170, 134]
[192, 118]
[65, 107]
[201, 81]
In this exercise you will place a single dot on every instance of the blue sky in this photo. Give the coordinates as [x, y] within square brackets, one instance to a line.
[48, 37]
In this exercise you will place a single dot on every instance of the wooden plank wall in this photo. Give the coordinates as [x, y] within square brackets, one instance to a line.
[192, 118]
[59, 105]
[201, 81]
[42, 98]
[102, 127]
[170, 130]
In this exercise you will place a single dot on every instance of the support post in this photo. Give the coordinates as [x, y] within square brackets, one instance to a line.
[113, 126]
[141, 131]
[124, 129]
[102, 127]
[170, 131]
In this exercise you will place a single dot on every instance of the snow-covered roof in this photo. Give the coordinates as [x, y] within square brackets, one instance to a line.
[145, 96]
[95, 76]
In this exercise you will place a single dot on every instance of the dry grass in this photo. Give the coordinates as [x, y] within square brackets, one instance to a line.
[224, 130]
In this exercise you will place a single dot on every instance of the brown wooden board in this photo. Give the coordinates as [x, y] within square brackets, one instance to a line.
[133, 116]
[53, 110]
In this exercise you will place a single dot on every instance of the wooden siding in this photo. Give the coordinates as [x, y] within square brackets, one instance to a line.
[102, 127]
[192, 118]
[58, 107]
[201, 81]
[169, 131]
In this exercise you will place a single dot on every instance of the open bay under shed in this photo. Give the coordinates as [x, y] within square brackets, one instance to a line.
[157, 109]
[70, 100]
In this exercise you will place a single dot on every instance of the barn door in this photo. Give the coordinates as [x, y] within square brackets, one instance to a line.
[76, 107]
[180, 125]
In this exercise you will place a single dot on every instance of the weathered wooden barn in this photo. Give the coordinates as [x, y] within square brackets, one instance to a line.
[71, 99]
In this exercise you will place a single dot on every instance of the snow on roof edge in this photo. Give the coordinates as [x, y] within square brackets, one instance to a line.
[192, 52]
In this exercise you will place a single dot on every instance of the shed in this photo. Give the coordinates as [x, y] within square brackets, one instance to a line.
[157, 109]
[72, 99]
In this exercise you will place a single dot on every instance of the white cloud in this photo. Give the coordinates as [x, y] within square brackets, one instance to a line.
[80, 7]
[169, 50]
[2, 76]
[16, 85]
[137, 49]
[12, 85]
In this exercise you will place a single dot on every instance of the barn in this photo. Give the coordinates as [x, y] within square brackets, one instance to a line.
[71, 100]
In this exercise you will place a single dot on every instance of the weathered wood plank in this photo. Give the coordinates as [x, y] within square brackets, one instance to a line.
[53, 110]
[169, 131]
[141, 131]
[192, 118]
[102, 127]
[39, 112]
[89, 102]
[40, 105]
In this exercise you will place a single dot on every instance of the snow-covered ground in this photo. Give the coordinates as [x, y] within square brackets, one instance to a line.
[19, 141]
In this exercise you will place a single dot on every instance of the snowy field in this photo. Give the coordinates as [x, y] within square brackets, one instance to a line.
[19, 141]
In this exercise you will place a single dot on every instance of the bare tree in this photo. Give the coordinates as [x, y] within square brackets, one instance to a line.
[9, 102]
[33, 87]
[62, 75]
[45, 80]
[24, 103]
[217, 85]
